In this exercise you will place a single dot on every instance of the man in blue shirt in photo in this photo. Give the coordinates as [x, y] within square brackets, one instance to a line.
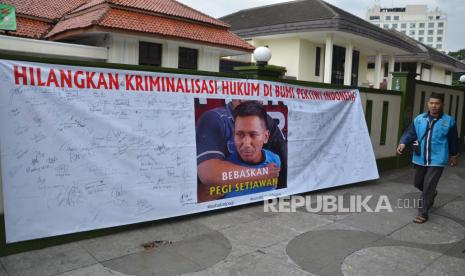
[215, 145]
[250, 135]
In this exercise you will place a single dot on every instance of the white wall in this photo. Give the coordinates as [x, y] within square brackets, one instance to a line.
[389, 148]
[307, 61]
[363, 76]
[125, 49]
[285, 52]
[438, 74]
[41, 48]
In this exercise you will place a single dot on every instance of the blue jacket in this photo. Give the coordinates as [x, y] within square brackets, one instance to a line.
[438, 138]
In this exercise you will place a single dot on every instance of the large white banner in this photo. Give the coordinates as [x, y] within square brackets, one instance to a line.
[87, 148]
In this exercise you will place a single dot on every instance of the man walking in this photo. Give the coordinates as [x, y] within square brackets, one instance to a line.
[435, 140]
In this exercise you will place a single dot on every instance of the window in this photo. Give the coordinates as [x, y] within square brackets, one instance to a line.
[371, 65]
[317, 61]
[438, 17]
[439, 32]
[386, 26]
[394, 26]
[439, 46]
[404, 32]
[149, 53]
[439, 39]
[421, 32]
[396, 17]
[412, 32]
[412, 25]
[403, 25]
[430, 32]
[430, 45]
[420, 38]
[388, 17]
[386, 69]
[440, 24]
[374, 17]
[431, 25]
[430, 39]
[430, 17]
[421, 25]
[188, 58]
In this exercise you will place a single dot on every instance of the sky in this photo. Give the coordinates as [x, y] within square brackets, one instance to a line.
[455, 10]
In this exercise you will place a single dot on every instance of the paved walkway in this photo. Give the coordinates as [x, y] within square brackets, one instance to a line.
[248, 241]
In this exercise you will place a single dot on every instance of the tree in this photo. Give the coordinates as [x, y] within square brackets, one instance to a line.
[460, 54]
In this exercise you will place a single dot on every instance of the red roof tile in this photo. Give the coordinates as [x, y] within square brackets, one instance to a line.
[127, 20]
[132, 21]
[78, 22]
[160, 17]
[30, 28]
[170, 7]
[55, 9]
[48, 9]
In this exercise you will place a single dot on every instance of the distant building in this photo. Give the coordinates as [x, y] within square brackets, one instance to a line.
[416, 21]
[145, 32]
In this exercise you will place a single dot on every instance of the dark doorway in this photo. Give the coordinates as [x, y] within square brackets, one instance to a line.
[339, 57]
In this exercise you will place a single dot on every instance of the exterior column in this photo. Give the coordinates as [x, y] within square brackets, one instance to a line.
[348, 64]
[328, 58]
[170, 55]
[392, 61]
[418, 77]
[378, 61]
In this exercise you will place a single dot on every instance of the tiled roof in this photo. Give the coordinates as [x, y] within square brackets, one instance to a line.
[151, 24]
[159, 17]
[55, 9]
[82, 21]
[169, 7]
[30, 28]
[171, 27]
[48, 9]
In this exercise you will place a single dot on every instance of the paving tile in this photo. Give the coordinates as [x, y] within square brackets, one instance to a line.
[153, 262]
[322, 252]
[128, 242]
[257, 263]
[388, 260]
[48, 261]
[222, 220]
[382, 223]
[205, 250]
[93, 270]
[259, 233]
[445, 265]
[2, 271]
[437, 230]
[454, 209]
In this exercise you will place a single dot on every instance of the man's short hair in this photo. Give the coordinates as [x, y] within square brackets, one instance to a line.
[438, 96]
[251, 108]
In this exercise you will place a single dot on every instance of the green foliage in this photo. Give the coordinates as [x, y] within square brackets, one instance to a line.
[460, 54]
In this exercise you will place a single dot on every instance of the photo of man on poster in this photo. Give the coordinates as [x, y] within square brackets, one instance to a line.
[219, 166]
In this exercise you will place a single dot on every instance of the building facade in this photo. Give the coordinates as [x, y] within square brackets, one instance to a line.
[319, 42]
[416, 21]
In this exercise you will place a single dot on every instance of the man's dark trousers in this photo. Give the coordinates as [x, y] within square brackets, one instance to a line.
[426, 180]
